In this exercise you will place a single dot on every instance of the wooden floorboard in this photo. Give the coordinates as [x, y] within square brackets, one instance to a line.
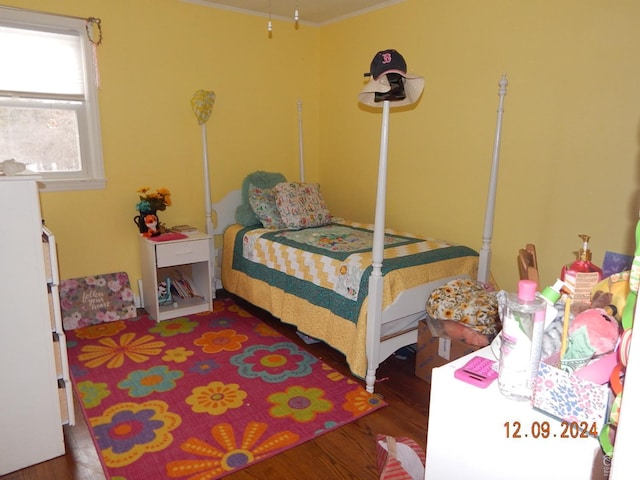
[348, 452]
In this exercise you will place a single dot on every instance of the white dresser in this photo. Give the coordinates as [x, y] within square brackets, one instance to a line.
[36, 394]
[473, 434]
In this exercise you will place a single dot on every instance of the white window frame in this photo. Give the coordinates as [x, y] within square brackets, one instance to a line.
[92, 175]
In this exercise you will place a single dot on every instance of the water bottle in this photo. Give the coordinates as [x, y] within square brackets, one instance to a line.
[522, 332]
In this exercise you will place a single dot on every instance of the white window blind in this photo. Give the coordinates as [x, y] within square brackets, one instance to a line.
[41, 62]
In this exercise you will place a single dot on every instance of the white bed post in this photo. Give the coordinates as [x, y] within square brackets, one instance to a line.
[202, 105]
[485, 253]
[208, 211]
[374, 299]
[300, 141]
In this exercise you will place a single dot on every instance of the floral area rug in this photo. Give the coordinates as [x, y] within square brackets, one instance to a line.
[203, 396]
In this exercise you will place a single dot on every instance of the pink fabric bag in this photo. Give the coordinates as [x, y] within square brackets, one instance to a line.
[399, 458]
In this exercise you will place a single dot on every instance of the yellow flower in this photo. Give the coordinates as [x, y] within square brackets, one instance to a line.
[216, 398]
[178, 355]
[153, 201]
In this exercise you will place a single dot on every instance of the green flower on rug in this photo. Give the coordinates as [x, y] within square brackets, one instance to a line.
[175, 326]
[178, 355]
[216, 398]
[213, 461]
[113, 354]
[92, 393]
[220, 341]
[274, 363]
[126, 431]
[299, 403]
[141, 383]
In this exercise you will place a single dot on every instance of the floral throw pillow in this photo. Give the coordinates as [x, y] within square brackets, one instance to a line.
[263, 204]
[301, 205]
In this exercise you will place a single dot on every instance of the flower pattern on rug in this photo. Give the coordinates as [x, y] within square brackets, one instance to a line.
[232, 456]
[127, 431]
[299, 403]
[216, 398]
[225, 340]
[175, 326]
[141, 383]
[102, 330]
[113, 354]
[274, 363]
[92, 393]
[198, 397]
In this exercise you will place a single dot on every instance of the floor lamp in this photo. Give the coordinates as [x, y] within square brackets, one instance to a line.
[202, 105]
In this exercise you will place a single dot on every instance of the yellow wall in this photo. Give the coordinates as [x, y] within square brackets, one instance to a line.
[155, 55]
[570, 137]
[569, 155]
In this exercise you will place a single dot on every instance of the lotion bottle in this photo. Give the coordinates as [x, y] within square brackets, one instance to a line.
[582, 275]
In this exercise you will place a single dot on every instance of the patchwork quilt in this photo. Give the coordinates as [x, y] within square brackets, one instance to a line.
[329, 266]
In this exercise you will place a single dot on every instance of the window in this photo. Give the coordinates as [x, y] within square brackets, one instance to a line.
[49, 115]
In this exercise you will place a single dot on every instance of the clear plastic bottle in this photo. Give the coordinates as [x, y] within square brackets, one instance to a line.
[521, 347]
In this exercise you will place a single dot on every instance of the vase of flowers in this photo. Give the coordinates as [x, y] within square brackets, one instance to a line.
[150, 203]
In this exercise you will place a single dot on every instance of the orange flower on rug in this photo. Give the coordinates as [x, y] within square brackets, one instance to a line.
[203, 396]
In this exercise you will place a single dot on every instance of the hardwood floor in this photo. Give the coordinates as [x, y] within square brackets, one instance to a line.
[346, 453]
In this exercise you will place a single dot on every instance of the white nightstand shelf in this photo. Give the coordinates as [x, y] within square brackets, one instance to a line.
[164, 259]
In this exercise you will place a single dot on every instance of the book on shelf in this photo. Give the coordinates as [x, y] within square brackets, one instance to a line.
[183, 228]
[183, 285]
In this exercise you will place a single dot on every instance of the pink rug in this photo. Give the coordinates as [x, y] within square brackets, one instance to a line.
[203, 396]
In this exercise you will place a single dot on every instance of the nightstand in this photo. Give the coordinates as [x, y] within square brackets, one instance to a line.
[189, 257]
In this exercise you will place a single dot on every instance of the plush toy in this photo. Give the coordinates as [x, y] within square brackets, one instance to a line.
[603, 330]
[151, 222]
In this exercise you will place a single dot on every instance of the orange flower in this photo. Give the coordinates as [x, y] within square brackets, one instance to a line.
[360, 401]
[213, 461]
[224, 340]
[101, 330]
[112, 353]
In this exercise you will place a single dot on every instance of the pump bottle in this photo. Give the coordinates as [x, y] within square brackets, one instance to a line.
[582, 275]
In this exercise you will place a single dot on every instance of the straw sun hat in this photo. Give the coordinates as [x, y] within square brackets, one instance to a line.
[390, 81]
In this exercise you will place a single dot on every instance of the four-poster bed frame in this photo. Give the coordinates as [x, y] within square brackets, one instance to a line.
[408, 307]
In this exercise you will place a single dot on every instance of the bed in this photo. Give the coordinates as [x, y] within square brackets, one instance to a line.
[360, 288]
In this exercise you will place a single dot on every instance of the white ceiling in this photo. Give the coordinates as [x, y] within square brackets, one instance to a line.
[315, 12]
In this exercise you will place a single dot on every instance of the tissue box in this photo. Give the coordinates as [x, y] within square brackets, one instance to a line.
[568, 397]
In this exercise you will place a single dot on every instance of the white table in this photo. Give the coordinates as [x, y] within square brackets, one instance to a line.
[471, 435]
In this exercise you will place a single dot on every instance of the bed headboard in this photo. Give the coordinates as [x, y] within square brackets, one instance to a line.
[226, 210]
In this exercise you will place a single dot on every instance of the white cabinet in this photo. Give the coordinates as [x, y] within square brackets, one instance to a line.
[472, 434]
[35, 393]
[171, 259]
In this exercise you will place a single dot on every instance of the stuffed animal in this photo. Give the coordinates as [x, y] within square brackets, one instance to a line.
[603, 330]
[151, 222]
